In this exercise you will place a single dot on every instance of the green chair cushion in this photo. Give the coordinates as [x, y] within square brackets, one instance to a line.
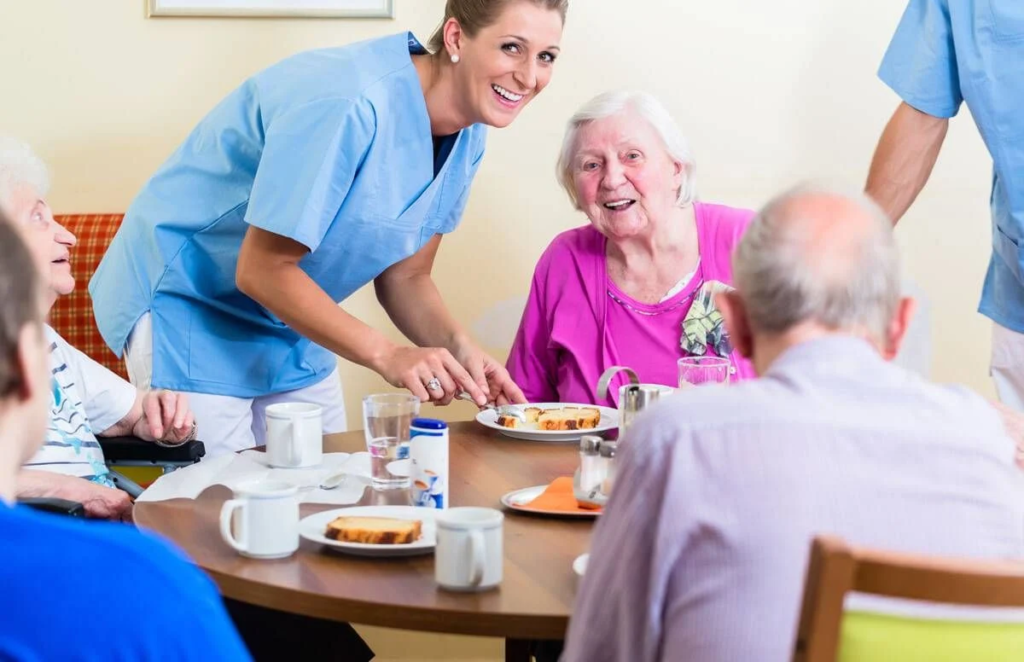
[873, 637]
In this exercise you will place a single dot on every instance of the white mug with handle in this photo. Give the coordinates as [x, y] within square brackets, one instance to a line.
[262, 521]
[294, 435]
[469, 554]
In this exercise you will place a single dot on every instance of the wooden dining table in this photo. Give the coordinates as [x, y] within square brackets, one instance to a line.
[533, 601]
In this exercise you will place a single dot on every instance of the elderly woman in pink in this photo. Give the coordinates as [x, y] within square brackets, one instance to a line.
[636, 286]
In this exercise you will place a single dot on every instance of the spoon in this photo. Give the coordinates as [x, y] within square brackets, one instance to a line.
[500, 410]
[332, 482]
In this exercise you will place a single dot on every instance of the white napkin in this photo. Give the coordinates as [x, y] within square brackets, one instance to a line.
[230, 470]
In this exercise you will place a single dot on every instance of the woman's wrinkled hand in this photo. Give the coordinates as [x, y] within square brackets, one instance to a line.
[166, 417]
[99, 501]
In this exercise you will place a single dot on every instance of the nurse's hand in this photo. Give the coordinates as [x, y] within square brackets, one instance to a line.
[490, 374]
[430, 373]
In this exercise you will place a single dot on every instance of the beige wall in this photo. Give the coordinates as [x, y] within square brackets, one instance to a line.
[768, 92]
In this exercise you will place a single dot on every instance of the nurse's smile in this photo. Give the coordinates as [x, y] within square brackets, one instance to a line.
[506, 97]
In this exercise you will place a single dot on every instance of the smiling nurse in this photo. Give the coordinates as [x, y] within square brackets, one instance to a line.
[320, 174]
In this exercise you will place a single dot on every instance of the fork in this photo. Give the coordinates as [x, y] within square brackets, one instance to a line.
[499, 410]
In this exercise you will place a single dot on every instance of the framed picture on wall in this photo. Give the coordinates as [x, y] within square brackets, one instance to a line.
[274, 8]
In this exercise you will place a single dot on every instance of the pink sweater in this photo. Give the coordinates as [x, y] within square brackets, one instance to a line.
[572, 328]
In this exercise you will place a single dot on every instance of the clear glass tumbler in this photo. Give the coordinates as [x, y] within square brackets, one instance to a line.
[386, 421]
[703, 370]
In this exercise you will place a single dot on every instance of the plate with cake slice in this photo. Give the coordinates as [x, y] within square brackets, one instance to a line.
[373, 530]
[551, 421]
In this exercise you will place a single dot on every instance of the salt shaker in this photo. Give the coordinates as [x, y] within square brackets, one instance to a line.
[591, 474]
[608, 451]
[591, 465]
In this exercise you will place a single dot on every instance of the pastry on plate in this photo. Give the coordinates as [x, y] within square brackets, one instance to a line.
[569, 418]
[374, 530]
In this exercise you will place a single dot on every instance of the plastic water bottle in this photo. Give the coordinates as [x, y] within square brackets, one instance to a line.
[428, 452]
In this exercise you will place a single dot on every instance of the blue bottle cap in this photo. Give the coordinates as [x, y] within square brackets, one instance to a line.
[429, 424]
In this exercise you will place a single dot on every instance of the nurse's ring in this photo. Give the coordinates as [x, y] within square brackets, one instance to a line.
[434, 384]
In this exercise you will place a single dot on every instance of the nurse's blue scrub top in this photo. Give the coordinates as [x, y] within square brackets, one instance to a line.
[945, 53]
[331, 148]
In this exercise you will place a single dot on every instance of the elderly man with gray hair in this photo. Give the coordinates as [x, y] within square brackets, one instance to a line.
[701, 552]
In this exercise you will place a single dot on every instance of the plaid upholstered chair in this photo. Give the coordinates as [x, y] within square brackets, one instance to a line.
[72, 314]
[72, 317]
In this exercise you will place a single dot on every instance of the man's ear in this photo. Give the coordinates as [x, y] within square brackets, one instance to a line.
[737, 325]
[897, 328]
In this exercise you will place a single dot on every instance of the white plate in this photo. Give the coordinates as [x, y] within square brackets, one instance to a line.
[609, 421]
[579, 566]
[313, 527]
[517, 500]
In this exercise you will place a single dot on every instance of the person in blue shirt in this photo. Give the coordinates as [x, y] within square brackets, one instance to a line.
[65, 578]
[946, 53]
[327, 171]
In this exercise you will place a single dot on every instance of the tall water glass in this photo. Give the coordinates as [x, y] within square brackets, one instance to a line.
[703, 370]
[386, 422]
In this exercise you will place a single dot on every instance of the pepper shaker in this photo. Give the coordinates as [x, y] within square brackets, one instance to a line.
[608, 451]
[590, 476]
[591, 465]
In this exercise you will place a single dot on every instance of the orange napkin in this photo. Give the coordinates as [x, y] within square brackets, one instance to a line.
[558, 497]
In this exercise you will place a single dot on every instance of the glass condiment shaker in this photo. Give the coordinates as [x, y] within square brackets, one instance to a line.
[607, 451]
[587, 481]
[592, 465]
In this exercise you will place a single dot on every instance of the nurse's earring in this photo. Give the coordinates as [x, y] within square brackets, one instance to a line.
[455, 59]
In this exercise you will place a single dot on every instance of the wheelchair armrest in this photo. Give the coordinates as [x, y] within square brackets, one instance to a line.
[53, 505]
[133, 449]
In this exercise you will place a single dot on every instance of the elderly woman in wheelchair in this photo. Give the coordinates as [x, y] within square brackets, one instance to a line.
[87, 400]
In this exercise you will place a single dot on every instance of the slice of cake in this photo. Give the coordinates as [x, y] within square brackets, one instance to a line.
[588, 417]
[559, 419]
[530, 414]
[569, 418]
[375, 530]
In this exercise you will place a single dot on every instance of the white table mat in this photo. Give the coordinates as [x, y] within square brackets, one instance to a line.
[230, 470]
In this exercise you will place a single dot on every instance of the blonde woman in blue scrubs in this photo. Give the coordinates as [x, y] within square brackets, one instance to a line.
[327, 171]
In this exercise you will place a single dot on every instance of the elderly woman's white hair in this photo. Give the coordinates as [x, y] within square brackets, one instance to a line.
[20, 165]
[650, 109]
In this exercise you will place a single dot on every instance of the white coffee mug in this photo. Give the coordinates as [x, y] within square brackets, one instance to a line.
[295, 435]
[469, 554]
[265, 515]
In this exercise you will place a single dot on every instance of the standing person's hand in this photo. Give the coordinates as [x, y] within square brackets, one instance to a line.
[492, 377]
[1013, 421]
[430, 373]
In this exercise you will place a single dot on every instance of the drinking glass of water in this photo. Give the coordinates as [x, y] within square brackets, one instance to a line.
[386, 422]
[703, 370]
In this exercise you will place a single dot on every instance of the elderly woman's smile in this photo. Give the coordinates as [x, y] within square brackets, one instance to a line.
[619, 205]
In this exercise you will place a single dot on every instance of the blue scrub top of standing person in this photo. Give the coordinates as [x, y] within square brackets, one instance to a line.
[945, 53]
[331, 148]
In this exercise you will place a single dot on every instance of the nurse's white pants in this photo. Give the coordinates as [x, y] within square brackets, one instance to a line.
[225, 423]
